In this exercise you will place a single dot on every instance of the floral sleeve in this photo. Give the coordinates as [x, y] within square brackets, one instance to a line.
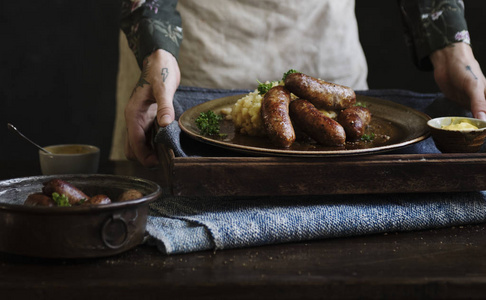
[150, 25]
[431, 25]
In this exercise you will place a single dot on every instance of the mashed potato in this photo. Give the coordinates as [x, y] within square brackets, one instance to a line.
[246, 113]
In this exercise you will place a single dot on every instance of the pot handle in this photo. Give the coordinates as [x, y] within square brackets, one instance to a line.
[105, 237]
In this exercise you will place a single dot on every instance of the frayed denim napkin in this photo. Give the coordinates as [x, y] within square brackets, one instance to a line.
[189, 224]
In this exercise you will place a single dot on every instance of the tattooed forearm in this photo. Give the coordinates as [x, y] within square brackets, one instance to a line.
[164, 73]
[468, 68]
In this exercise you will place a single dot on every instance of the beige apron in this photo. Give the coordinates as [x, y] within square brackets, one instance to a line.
[232, 44]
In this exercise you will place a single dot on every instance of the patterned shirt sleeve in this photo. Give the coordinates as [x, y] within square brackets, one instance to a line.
[150, 25]
[432, 25]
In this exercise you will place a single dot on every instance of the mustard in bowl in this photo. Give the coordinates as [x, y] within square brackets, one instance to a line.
[458, 134]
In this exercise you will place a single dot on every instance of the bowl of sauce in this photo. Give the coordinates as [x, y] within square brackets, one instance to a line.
[69, 159]
[458, 134]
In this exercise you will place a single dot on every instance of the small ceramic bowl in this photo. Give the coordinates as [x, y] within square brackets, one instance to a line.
[457, 140]
[69, 159]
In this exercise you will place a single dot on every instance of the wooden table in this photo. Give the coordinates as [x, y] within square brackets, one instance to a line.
[444, 263]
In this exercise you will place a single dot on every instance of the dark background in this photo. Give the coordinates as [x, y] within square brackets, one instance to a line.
[389, 61]
[58, 73]
[59, 59]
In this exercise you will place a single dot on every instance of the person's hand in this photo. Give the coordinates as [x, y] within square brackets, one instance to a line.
[151, 98]
[459, 76]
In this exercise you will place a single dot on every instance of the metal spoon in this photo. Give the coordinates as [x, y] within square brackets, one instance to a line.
[12, 128]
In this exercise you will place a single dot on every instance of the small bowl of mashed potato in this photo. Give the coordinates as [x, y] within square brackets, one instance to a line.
[458, 134]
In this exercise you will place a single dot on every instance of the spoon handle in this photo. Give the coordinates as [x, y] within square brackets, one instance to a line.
[12, 128]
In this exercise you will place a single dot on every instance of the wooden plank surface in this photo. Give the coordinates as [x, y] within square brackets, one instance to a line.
[258, 176]
[434, 264]
[447, 263]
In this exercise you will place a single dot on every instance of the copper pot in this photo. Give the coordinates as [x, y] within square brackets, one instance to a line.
[74, 232]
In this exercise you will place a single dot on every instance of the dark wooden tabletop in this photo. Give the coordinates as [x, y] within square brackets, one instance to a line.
[432, 264]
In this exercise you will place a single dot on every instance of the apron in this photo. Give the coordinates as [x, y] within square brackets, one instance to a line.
[231, 44]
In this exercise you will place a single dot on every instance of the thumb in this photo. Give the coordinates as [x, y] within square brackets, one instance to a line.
[167, 76]
[165, 114]
[478, 100]
[165, 107]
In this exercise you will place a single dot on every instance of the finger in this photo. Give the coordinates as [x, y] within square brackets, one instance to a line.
[139, 119]
[129, 154]
[140, 149]
[476, 91]
[478, 106]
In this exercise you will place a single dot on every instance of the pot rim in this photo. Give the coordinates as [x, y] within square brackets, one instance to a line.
[4, 184]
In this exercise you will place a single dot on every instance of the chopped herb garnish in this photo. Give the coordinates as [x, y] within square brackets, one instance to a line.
[264, 87]
[368, 137]
[288, 73]
[208, 123]
[60, 200]
[362, 104]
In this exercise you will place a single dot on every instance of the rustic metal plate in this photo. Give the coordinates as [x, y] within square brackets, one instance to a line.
[78, 231]
[394, 126]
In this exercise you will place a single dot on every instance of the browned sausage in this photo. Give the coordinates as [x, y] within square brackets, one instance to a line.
[316, 124]
[39, 199]
[129, 195]
[275, 115]
[354, 119]
[61, 187]
[322, 94]
[97, 200]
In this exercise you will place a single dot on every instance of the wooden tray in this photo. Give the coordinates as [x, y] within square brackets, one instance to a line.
[369, 174]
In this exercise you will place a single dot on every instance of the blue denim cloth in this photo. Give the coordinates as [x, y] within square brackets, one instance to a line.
[182, 225]
[188, 224]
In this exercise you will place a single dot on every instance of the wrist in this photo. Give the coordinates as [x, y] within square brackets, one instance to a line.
[456, 51]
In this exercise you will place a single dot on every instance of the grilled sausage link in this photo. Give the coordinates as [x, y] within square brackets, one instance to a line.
[316, 124]
[129, 195]
[322, 94]
[98, 199]
[354, 119]
[61, 187]
[275, 115]
[39, 199]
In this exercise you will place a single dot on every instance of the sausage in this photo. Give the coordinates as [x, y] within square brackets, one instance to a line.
[322, 94]
[39, 199]
[275, 115]
[129, 195]
[316, 124]
[98, 199]
[61, 187]
[354, 120]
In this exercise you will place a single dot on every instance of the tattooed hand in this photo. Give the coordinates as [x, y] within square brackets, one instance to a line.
[151, 98]
[460, 78]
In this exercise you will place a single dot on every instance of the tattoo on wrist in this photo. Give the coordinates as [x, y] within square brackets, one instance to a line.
[164, 73]
[142, 81]
[468, 68]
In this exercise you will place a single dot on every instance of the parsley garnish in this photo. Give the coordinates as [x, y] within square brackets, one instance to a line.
[264, 87]
[60, 200]
[208, 123]
[288, 73]
[368, 137]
